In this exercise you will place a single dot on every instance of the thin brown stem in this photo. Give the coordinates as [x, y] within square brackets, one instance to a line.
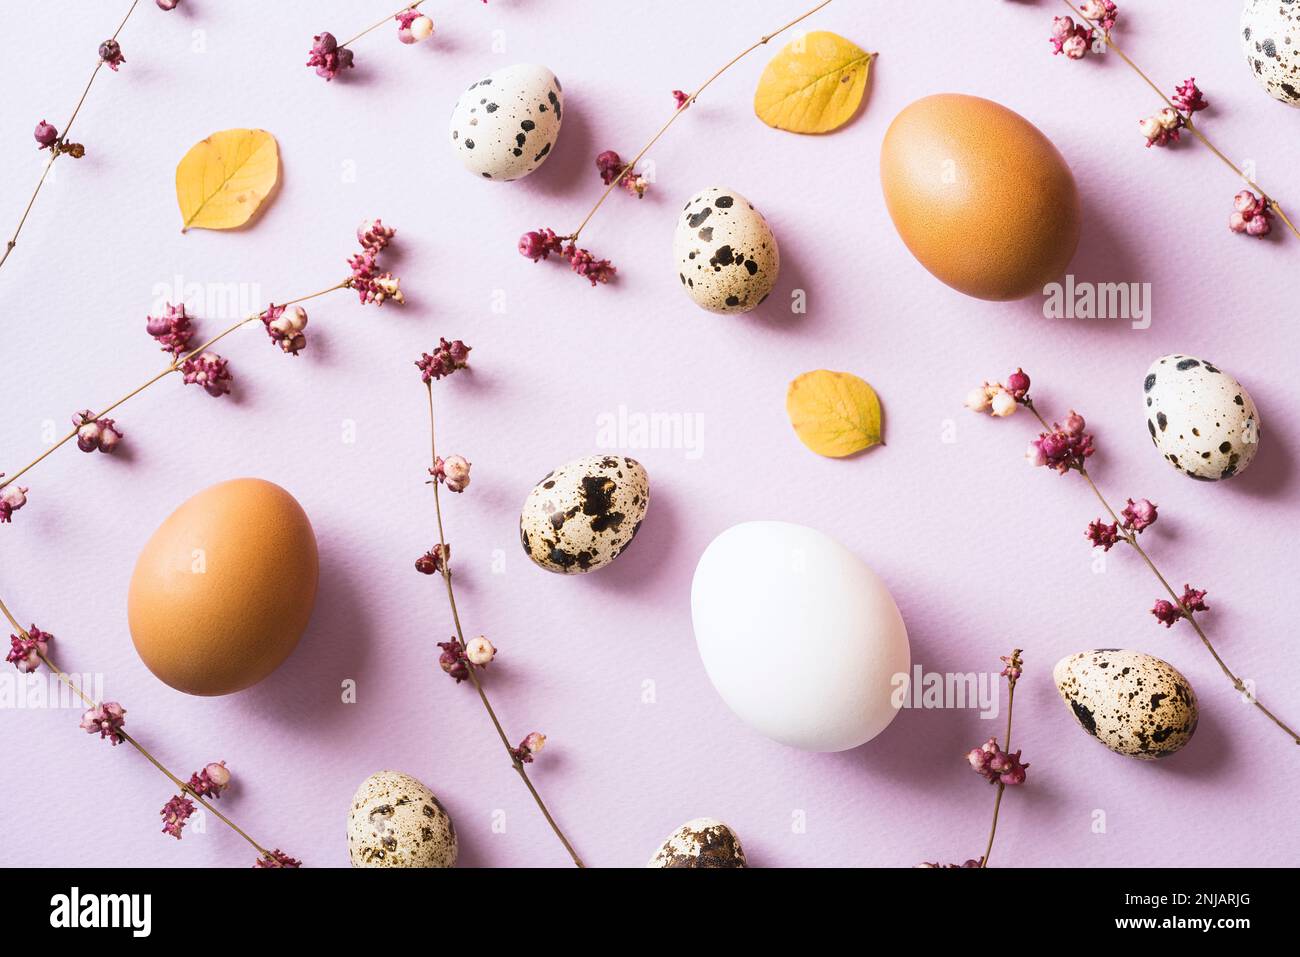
[56, 147]
[387, 19]
[1131, 539]
[129, 739]
[174, 366]
[678, 112]
[515, 760]
[1187, 119]
[1006, 746]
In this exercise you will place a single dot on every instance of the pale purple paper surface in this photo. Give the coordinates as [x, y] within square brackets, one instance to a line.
[980, 552]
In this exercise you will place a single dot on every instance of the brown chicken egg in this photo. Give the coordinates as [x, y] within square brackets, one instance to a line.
[224, 588]
[980, 196]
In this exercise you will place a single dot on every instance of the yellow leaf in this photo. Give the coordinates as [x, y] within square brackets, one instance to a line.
[221, 181]
[814, 85]
[834, 413]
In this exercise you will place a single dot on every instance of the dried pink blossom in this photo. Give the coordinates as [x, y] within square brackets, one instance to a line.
[328, 57]
[1166, 612]
[683, 99]
[453, 660]
[1064, 448]
[1162, 128]
[1013, 667]
[1250, 214]
[277, 858]
[106, 720]
[995, 765]
[208, 370]
[12, 498]
[1194, 599]
[972, 862]
[95, 434]
[46, 134]
[1104, 13]
[1072, 39]
[434, 560]
[171, 329]
[611, 166]
[444, 360]
[413, 26]
[209, 782]
[285, 326]
[1017, 384]
[453, 471]
[374, 236]
[1188, 97]
[110, 52]
[1139, 515]
[167, 4]
[480, 651]
[540, 244]
[372, 284]
[175, 813]
[1102, 535]
[26, 650]
[529, 747]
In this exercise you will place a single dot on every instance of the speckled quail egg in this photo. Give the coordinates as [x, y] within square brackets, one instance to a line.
[1133, 703]
[1202, 420]
[581, 516]
[395, 821]
[727, 256]
[1270, 38]
[506, 124]
[702, 842]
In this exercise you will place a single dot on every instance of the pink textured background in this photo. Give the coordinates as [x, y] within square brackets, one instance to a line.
[979, 551]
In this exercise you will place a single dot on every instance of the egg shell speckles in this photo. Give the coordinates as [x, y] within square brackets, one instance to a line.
[506, 124]
[1270, 38]
[1202, 420]
[727, 256]
[704, 843]
[581, 516]
[1133, 703]
[395, 821]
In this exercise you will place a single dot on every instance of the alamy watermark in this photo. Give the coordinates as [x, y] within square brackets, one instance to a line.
[1130, 301]
[624, 429]
[932, 690]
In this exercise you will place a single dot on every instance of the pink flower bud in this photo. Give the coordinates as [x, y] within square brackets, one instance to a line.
[1074, 423]
[218, 774]
[46, 134]
[1034, 455]
[1018, 384]
[167, 4]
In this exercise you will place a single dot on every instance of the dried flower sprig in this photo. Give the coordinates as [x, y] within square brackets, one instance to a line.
[30, 648]
[48, 137]
[1165, 126]
[996, 764]
[330, 58]
[461, 660]
[1065, 449]
[539, 244]
[173, 330]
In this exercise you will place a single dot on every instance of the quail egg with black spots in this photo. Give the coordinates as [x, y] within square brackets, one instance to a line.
[700, 843]
[726, 253]
[1133, 703]
[1202, 420]
[582, 515]
[395, 821]
[506, 124]
[1270, 38]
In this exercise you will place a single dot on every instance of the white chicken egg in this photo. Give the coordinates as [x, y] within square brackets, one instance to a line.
[1270, 38]
[799, 636]
[506, 124]
[395, 821]
[727, 256]
[583, 514]
[1202, 420]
